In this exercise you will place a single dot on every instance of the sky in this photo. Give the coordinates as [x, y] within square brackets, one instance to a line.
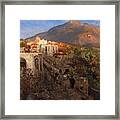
[29, 28]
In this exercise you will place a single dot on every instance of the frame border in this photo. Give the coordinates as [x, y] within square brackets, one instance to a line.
[52, 2]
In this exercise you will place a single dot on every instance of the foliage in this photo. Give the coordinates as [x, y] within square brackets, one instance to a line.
[22, 44]
[87, 64]
[71, 72]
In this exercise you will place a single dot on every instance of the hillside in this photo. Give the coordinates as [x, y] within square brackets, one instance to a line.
[73, 32]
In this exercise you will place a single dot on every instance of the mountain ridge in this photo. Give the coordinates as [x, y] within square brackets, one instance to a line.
[73, 32]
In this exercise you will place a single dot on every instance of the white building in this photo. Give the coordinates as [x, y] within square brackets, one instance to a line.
[51, 49]
[43, 46]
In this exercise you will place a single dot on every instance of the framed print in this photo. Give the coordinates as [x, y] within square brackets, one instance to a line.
[60, 59]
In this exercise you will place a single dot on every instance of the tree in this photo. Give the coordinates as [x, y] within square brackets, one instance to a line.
[22, 43]
[87, 64]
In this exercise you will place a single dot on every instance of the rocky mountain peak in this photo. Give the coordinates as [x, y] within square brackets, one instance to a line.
[74, 32]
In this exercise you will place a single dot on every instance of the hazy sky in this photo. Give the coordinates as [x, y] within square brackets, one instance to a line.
[29, 28]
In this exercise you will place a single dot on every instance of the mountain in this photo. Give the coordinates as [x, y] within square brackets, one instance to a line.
[73, 32]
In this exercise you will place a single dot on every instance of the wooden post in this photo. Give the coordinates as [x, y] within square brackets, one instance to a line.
[85, 87]
[41, 66]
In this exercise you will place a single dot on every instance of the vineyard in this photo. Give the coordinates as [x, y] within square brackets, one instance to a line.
[72, 76]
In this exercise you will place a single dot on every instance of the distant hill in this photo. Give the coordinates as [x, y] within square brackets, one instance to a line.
[73, 32]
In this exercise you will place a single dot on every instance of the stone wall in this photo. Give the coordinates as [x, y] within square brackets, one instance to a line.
[30, 61]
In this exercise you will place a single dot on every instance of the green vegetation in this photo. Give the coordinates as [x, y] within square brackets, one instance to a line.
[22, 44]
[86, 63]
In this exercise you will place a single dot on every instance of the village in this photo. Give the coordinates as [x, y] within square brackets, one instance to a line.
[41, 46]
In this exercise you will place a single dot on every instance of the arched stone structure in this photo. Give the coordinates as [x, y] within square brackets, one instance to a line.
[22, 62]
[30, 61]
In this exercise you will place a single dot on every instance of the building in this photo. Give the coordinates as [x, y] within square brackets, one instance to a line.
[39, 45]
[51, 49]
